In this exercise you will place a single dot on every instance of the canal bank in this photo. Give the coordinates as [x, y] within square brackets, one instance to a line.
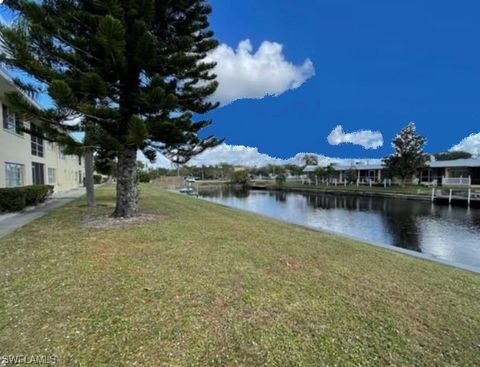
[440, 233]
[364, 193]
[440, 195]
[419, 255]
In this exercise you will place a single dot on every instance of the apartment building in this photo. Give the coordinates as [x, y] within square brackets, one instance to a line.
[26, 159]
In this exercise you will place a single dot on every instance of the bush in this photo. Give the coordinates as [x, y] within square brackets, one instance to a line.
[36, 194]
[240, 177]
[97, 179]
[280, 179]
[12, 199]
[143, 176]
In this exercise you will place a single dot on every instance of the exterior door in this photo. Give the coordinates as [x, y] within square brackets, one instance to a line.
[38, 174]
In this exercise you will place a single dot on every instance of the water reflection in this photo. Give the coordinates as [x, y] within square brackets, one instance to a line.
[449, 233]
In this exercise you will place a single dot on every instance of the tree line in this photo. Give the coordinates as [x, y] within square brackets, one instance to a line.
[404, 163]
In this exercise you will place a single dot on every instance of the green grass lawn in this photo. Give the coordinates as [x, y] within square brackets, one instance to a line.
[204, 285]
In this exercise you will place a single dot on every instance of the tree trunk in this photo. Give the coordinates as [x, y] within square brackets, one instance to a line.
[127, 205]
[89, 182]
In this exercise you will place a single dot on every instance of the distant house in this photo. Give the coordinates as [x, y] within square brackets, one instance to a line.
[26, 159]
[463, 172]
[460, 172]
[361, 172]
[239, 168]
[309, 169]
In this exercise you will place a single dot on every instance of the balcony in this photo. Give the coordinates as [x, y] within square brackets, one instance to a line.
[456, 181]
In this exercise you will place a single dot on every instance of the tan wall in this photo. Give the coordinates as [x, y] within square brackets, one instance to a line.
[15, 148]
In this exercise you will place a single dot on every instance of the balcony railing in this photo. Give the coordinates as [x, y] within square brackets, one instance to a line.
[456, 181]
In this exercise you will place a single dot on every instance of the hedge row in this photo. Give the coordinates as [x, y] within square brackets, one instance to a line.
[13, 199]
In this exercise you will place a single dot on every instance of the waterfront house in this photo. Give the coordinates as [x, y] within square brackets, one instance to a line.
[459, 172]
[363, 173]
[26, 159]
[360, 172]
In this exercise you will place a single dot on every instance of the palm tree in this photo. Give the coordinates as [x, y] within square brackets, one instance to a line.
[310, 160]
[319, 173]
[329, 171]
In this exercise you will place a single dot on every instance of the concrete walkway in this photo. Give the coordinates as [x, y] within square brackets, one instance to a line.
[11, 221]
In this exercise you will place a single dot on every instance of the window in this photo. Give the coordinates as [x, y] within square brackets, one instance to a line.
[38, 175]
[13, 174]
[61, 153]
[52, 176]
[459, 172]
[79, 160]
[37, 143]
[11, 122]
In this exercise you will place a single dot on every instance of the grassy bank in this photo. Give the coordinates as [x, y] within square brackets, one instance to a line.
[200, 284]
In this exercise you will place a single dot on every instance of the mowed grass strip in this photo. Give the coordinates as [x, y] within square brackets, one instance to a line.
[395, 189]
[202, 284]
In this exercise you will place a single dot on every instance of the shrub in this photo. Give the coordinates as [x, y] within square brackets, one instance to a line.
[97, 179]
[12, 199]
[36, 194]
[240, 177]
[143, 176]
[280, 179]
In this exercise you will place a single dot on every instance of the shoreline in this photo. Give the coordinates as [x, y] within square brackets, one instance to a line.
[418, 255]
[367, 193]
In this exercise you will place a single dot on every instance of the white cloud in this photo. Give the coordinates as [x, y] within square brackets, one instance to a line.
[234, 154]
[242, 74]
[469, 144]
[251, 157]
[160, 162]
[366, 138]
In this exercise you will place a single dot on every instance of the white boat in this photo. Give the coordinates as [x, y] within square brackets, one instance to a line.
[187, 190]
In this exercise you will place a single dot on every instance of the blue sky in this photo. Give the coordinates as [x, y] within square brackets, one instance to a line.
[366, 65]
[378, 65]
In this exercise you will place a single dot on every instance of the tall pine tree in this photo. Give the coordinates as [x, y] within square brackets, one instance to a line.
[132, 68]
[408, 156]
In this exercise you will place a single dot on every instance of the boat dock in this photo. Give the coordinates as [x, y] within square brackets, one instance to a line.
[258, 186]
[467, 196]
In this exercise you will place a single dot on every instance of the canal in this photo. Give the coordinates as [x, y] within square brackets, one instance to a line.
[446, 233]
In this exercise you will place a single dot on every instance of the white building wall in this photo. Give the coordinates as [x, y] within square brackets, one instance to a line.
[15, 148]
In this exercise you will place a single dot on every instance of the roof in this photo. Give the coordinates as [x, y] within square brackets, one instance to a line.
[308, 169]
[470, 162]
[359, 167]
[8, 85]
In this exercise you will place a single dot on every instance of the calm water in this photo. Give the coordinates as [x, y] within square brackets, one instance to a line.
[448, 233]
